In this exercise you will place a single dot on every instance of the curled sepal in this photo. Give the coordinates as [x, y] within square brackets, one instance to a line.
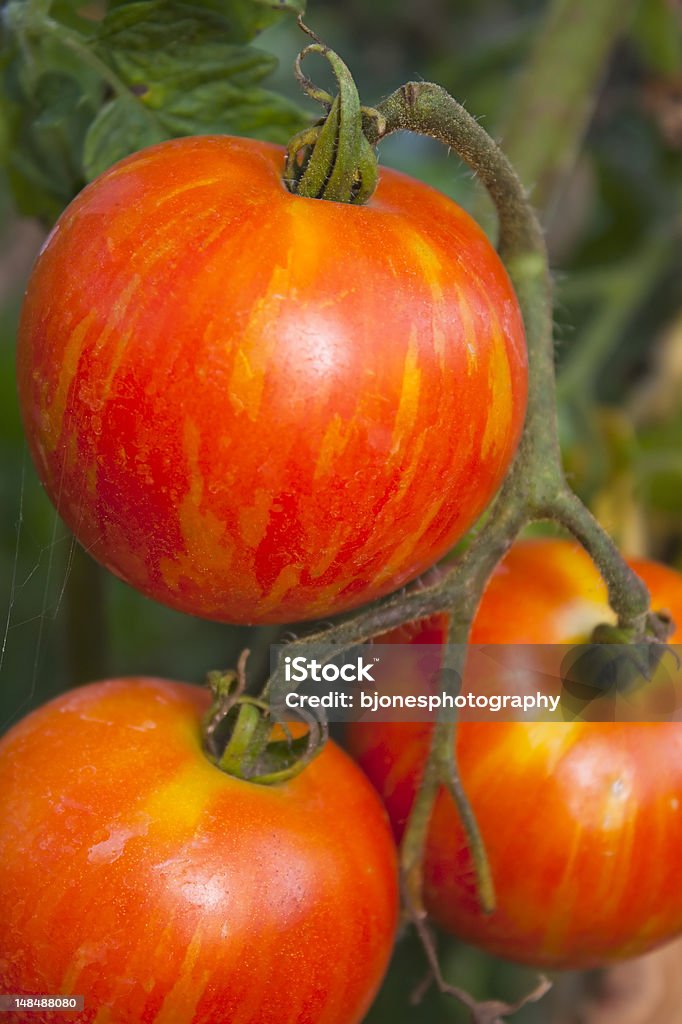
[285, 755]
[243, 737]
[333, 160]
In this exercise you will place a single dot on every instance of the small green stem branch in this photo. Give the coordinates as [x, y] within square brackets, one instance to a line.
[628, 596]
[489, 1012]
[536, 487]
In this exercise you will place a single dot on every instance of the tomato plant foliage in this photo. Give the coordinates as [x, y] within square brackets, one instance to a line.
[135, 872]
[81, 93]
[581, 820]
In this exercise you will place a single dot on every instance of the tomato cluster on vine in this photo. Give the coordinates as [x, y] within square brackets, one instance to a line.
[258, 407]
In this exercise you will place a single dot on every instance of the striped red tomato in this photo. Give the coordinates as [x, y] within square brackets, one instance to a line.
[137, 874]
[582, 821]
[259, 407]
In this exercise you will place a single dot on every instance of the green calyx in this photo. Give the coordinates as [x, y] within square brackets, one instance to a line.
[243, 738]
[333, 159]
[655, 628]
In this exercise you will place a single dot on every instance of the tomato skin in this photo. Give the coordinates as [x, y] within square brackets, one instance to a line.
[256, 407]
[136, 873]
[582, 821]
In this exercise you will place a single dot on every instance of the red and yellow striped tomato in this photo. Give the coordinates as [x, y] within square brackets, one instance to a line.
[256, 407]
[582, 821]
[137, 874]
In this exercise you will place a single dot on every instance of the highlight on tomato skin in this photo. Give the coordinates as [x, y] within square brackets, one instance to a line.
[256, 407]
[582, 821]
[136, 873]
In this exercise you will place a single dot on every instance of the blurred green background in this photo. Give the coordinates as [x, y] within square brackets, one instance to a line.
[594, 123]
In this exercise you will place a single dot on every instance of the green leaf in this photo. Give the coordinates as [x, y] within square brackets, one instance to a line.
[246, 18]
[188, 78]
[47, 133]
[219, 108]
[80, 94]
[48, 100]
[152, 42]
[254, 15]
[120, 128]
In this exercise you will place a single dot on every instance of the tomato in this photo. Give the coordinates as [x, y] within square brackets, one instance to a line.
[135, 873]
[256, 407]
[582, 821]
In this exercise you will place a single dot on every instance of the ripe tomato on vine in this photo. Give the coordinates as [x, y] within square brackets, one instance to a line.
[582, 821]
[136, 873]
[258, 407]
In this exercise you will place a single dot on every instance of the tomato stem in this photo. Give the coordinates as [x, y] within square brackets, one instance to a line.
[245, 744]
[480, 1013]
[333, 160]
[240, 733]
